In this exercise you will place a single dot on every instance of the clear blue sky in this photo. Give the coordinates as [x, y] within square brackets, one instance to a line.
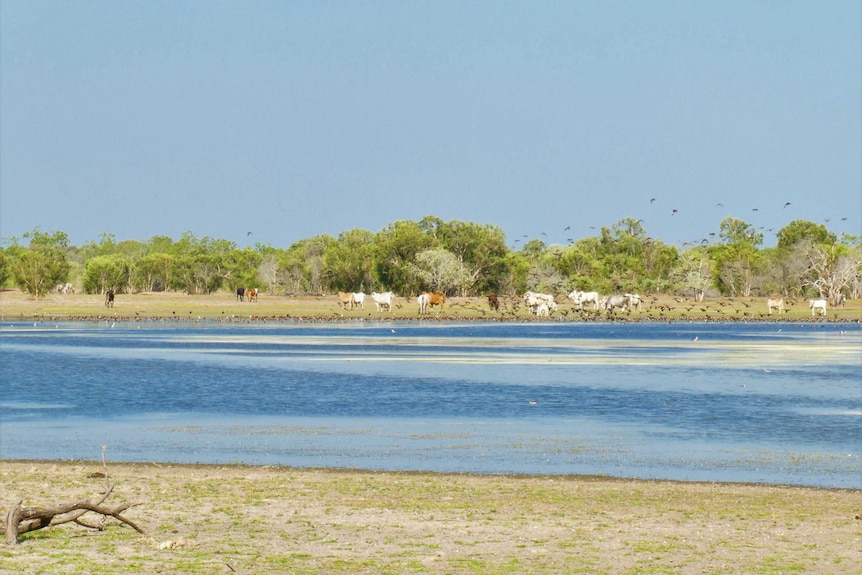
[292, 119]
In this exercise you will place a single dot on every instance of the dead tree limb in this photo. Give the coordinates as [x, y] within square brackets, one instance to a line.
[21, 520]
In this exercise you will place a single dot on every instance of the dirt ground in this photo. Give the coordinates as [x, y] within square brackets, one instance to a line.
[239, 519]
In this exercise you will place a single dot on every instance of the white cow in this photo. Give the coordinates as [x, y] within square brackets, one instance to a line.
[817, 304]
[534, 299]
[383, 300]
[543, 310]
[359, 299]
[424, 299]
[776, 303]
[584, 297]
[614, 302]
[635, 301]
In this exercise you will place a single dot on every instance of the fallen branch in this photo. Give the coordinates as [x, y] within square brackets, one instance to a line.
[21, 520]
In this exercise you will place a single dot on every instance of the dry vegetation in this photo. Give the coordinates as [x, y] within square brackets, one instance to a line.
[238, 519]
[14, 305]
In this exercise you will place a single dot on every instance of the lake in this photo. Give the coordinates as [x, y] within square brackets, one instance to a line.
[749, 402]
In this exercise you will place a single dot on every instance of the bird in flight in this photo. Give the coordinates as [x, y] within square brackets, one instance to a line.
[719, 205]
[674, 211]
[651, 200]
[786, 204]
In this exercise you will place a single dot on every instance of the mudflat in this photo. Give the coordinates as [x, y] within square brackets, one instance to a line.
[246, 519]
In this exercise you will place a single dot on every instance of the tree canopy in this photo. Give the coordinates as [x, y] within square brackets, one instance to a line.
[456, 257]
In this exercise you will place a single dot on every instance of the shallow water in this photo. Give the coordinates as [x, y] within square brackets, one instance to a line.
[773, 403]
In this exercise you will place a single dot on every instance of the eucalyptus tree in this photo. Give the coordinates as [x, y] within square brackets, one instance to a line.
[350, 261]
[693, 271]
[302, 267]
[737, 257]
[438, 269]
[481, 250]
[4, 268]
[833, 269]
[396, 246]
[102, 273]
[44, 264]
[800, 262]
[799, 230]
[153, 272]
[582, 265]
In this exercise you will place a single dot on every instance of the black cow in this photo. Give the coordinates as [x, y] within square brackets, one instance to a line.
[109, 298]
[494, 302]
[240, 294]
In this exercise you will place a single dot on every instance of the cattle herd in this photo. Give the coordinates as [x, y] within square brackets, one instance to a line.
[538, 304]
[543, 305]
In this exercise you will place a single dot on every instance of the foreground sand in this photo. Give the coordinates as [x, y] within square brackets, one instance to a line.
[238, 519]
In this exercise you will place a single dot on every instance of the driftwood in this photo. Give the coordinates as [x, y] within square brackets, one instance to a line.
[21, 520]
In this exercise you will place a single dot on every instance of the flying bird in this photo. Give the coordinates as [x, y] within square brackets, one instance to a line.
[651, 200]
[786, 204]
[719, 205]
[674, 211]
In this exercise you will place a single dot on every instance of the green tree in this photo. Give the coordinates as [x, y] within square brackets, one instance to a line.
[396, 246]
[153, 272]
[302, 267]
[102, 273]
[799, 230]
[4, 269]
[737, 257]
[481, 249]
[44, 264]
[438, 269]
[350, 261]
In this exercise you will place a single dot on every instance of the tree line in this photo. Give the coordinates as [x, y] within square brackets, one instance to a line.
[455, 257]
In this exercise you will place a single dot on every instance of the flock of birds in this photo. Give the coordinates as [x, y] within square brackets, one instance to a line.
[673, 212]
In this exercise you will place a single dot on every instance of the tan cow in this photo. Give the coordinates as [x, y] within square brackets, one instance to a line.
[775, 303]
[346, 300]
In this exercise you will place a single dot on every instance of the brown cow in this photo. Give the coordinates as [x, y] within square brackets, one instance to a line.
[251, 294]
[494, 302]
[437, 298]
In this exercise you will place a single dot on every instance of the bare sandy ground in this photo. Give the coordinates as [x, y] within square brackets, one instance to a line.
[238, 519]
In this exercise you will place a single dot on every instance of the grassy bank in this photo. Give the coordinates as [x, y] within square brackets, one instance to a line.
[14, 305]
[237, 519]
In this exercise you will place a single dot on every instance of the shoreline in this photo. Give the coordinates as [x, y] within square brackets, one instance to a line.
[585, 478]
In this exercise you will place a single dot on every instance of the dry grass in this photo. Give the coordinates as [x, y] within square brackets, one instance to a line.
[237, 519]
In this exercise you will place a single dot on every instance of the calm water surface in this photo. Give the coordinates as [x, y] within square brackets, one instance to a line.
[765, 402]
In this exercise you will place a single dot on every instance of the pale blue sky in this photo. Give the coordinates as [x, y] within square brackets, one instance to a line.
[291, 119]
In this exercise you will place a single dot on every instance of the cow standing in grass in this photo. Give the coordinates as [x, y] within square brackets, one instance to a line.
[776, 303]
[818, 305]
